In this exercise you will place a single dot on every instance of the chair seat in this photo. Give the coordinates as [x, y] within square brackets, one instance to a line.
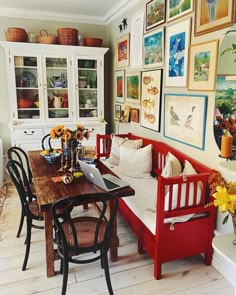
[34, 208]
[85, 228]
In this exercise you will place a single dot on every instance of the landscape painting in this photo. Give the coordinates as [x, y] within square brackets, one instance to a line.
[153, 50]
[202, 66]
[225, 109]
[155, 13]
[178, 8]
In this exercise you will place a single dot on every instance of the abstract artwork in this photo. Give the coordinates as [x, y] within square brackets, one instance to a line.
[132, 87]
[122, 51]
[120, 86]
[153, 48]
[151, 99]
[177, 42]
[185, 118]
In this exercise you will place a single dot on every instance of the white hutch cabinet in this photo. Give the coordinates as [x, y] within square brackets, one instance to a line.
[53, 84]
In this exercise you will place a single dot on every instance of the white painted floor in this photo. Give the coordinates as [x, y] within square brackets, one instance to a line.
[131, 274]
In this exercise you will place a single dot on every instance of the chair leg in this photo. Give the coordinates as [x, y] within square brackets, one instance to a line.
[21, 223]
[107, 273]
[65, 276]
[28, 242]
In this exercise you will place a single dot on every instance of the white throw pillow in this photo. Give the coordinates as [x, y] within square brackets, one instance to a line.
[117, 141]
[188, 170]
[136, 163]
[172, 167]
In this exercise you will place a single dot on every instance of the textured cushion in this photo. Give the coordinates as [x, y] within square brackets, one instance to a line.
[188, 170]
[117, 141]
[172, 166]
[136, 162]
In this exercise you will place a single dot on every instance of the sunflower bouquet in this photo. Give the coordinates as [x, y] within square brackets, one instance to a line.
[67, 135]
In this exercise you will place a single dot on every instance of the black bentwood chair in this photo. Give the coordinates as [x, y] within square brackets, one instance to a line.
[19, 155]
[28, 201]
[83, 234]
[46, 142]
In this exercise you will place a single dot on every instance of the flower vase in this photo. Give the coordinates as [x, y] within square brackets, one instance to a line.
[234, 227]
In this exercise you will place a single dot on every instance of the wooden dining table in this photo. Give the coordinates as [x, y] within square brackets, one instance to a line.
[48, 191]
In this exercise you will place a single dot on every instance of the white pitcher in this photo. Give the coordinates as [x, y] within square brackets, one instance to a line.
[58, 101]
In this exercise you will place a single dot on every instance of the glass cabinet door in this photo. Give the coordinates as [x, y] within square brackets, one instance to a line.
[27, 91]
[87, 89]
[57, 100]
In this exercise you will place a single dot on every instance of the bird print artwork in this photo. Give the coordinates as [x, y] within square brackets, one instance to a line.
[120, 27]
[174, 117]
[125, 24]
[189, 119]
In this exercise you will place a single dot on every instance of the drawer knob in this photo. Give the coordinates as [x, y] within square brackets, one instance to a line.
[30, 133]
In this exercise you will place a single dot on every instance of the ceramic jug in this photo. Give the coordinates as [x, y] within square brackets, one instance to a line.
[57, 101]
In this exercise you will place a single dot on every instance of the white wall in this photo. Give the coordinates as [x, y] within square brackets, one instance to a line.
[210, 155]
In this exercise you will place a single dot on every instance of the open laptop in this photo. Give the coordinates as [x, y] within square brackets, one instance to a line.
[107, 182]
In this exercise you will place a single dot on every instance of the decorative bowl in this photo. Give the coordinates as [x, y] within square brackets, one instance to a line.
[51, 157]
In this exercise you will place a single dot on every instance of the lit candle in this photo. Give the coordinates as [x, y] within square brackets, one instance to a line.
[226, 145]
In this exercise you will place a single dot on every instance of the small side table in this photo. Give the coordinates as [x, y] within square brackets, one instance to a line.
[225, 257]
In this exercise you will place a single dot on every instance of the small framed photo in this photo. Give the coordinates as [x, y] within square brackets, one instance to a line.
[132, 87]
[202, 66]
[120, 86]
[135, 115]
[127, 113]
[213, 15]
[117, 111]
[155, 13]
[176, 9]
[122, 51]
[153, 48]
[177, 43]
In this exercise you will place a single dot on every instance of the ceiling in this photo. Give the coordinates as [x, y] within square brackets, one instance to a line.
[95, 10]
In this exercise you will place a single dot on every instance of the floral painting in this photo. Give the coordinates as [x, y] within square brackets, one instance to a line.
[153, 51]
[155, 13]
[151, 99]
[133, 87]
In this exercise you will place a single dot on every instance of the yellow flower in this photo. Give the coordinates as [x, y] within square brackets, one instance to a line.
[224, 200]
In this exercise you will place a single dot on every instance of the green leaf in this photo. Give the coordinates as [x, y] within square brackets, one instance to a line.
[225, 219]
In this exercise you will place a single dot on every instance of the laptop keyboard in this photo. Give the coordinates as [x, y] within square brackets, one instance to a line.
[110, 184]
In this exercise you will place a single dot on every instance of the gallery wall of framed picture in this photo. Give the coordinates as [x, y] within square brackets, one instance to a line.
[161, 54]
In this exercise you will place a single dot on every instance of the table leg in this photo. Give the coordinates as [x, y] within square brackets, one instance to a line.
[114, 240]
[49, 244]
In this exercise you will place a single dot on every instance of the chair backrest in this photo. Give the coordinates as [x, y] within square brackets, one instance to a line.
[19, 178]
[18, 154]
[102, 225]
[46, 142]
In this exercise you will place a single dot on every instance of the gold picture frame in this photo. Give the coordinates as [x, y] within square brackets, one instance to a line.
[202, 66]
[214, 16]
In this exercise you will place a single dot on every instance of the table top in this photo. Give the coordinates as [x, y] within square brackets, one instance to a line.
[48, 191]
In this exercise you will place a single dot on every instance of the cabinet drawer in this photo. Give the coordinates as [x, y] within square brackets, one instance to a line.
[28, 133]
